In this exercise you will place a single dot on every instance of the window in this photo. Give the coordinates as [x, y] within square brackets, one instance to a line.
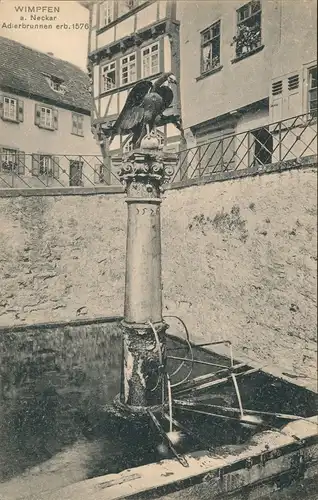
[77, 124]
[109, 76]
[57, 85]
[128, 69]
[45, 165]
[12, 161]
[10, 108]
[210, 47]
[248, 37]
[76, 173]
[125, 6]
[106, 13]
[150, 60]
[312, 92]
[261, 147]
[46, 119]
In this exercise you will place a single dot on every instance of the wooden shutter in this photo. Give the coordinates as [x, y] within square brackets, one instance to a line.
[1, 157]
[80, 127]
[276, 99]
[293, 103]
[74, 123]
[21, 162]
[20, 111]
[56, 167]
[35, 164]
[55, 119]
[37, 115]
[1, 105]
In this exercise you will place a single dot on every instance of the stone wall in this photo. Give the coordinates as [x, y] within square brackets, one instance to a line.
[55, 380]
[239, 262]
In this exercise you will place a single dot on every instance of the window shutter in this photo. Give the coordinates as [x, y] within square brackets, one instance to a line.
[55, 119]
[293, 101]
[37, 115]
[81, 125]
[35, 164]
[56, 167]
[1, 106]
[20, 111]
[21, 163]
[74, 123]
[276, 100]
[1, 157]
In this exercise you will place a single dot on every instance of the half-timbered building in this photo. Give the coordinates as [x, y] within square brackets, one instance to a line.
[131, 40]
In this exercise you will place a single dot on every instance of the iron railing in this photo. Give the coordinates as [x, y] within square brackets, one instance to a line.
[27, 171]
[285, 140]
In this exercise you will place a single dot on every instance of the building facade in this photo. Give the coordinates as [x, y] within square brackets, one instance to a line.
[131, 40]
[245, 65]
[45, 127]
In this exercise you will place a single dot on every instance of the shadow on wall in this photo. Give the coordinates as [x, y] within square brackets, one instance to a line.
[54, 384]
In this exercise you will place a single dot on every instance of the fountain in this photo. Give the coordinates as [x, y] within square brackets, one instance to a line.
[144, 352]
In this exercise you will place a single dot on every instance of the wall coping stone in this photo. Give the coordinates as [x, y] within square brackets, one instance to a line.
[282, 166]
[60, 191]
[60, 324]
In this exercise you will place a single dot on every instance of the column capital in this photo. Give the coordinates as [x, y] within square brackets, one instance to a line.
[150, 167]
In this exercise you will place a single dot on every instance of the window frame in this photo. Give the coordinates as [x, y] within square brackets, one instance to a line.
[104, 72]
[254, 46]
[47, 170]
[118, 11]
[142, 55]
[207, 43]
[45, 124]
[110, 14]
[8, 117]
[4, 163]
[76, 119]
[311, 90]
[127, 65]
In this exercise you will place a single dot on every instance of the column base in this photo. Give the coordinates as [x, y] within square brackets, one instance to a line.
[144, 365]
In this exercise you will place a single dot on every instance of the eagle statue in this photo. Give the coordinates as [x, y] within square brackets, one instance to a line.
[143, 108]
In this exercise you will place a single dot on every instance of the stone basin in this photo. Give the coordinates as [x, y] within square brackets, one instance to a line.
[60, 438]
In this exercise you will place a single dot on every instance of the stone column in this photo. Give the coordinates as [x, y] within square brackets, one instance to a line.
[143, 172]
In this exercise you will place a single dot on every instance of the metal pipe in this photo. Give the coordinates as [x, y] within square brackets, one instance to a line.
[238, 410]
[164, 436]
[238, 395]
[217, 382]
[207, 363]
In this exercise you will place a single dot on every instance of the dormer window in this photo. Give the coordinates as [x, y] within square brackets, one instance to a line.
[56, 83]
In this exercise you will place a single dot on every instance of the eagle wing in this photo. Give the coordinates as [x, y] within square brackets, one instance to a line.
[132, 112]
[166, 94]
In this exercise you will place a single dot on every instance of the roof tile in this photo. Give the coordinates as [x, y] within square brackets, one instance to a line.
[24, 70]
